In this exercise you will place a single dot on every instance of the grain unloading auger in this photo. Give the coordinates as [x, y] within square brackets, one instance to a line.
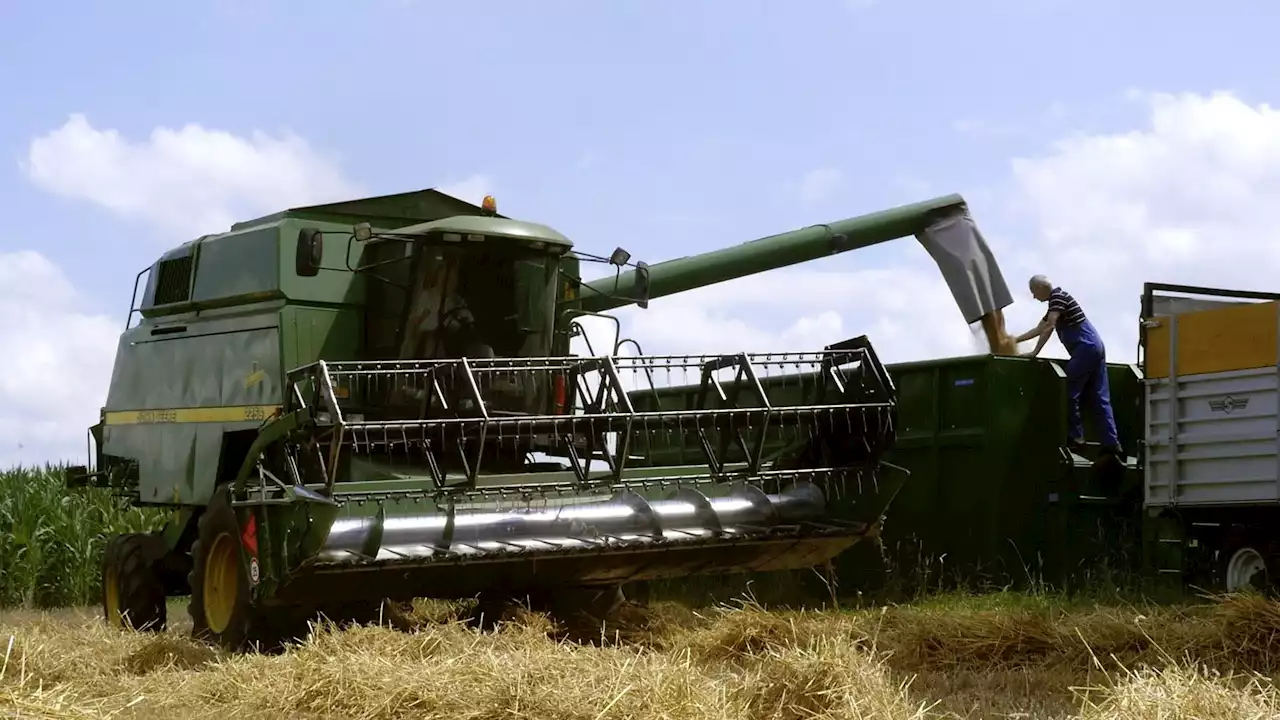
[375, 399]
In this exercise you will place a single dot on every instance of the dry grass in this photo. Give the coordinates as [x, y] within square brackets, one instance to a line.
[981, 658]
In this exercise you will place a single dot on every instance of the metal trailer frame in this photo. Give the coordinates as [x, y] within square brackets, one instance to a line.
[1212, 495]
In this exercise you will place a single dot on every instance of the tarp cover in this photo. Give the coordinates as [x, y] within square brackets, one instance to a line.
[957, 246]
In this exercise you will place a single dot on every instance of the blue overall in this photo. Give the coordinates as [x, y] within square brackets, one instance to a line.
[1087, 375]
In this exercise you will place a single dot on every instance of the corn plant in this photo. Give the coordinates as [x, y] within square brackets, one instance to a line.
[51, 538]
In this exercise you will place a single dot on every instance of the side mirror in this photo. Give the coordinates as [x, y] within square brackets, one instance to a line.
[310, 250]
[642, 284]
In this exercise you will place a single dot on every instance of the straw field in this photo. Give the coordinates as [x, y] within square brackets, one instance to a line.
[1001, 655]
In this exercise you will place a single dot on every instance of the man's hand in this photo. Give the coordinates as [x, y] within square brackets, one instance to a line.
[1031, 353]
[1042, 328]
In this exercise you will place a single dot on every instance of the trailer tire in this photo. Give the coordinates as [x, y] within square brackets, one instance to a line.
[1246, 565]
[132, 594]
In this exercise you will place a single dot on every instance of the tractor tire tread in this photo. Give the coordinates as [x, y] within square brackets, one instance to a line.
[141, 594]
[195, 577]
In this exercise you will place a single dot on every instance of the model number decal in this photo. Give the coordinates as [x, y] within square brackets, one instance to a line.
[233, 414]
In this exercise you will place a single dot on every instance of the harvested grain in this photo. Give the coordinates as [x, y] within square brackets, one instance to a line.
[999, 341]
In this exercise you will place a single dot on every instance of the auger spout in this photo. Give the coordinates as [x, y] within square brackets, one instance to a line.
[943, 225]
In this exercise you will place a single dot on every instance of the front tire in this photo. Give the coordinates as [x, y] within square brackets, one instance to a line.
[132, 595]
[221, 605]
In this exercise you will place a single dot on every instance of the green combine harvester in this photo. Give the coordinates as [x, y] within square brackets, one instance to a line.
[356, 404]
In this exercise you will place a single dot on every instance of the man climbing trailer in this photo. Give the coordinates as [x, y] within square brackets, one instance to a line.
[1087, 368]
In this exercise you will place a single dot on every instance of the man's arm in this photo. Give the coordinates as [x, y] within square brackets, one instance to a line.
[1044, 338]
[1042, 329]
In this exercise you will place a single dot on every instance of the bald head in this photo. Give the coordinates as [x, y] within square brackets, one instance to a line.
[1040, 287]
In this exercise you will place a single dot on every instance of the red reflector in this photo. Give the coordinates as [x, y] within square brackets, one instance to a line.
[559, 395]
[250, 535]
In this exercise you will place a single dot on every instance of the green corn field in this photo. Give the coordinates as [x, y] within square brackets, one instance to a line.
[51, 539]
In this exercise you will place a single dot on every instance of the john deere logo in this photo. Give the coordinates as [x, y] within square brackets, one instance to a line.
[1228, 404]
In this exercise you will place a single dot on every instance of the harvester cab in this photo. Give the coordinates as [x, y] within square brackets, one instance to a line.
[375, 399]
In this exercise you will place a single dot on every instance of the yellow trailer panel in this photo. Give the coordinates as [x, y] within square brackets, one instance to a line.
[1235, 337]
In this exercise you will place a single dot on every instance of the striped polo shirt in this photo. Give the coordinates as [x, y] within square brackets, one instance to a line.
[1069, 312]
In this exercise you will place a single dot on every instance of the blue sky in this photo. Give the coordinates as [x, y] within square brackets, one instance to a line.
[698, 109]
[666, 127]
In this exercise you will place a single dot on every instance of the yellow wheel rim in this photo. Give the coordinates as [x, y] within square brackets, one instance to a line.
[111, 588]
[221, 582]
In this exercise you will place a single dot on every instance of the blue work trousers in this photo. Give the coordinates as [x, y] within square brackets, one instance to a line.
[1087, 379]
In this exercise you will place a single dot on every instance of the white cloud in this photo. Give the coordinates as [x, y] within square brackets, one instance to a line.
[186, 181]
[182, 182]
[57, 365]
[1186, 199]
[1182, 199]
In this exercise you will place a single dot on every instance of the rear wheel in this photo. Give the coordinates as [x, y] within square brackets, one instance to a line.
[132, 594]
[1246, 569]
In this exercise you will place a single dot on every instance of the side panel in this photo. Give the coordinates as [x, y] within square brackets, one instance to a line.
[238, 267]
[1237, 337]
[1211, 407]
[1126, 405]
[991, 494]
[980, 437]
[309, 334]
[1212, 439]
[335, 283]
[173, 396]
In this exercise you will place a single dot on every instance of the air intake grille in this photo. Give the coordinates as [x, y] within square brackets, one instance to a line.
[174, 284]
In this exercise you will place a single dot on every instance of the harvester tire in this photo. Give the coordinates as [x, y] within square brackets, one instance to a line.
[132, 594]
[221, 606]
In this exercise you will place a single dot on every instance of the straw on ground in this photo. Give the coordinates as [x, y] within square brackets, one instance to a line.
[1006, 656]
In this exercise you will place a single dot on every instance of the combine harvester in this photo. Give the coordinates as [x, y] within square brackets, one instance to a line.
[343, 404]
